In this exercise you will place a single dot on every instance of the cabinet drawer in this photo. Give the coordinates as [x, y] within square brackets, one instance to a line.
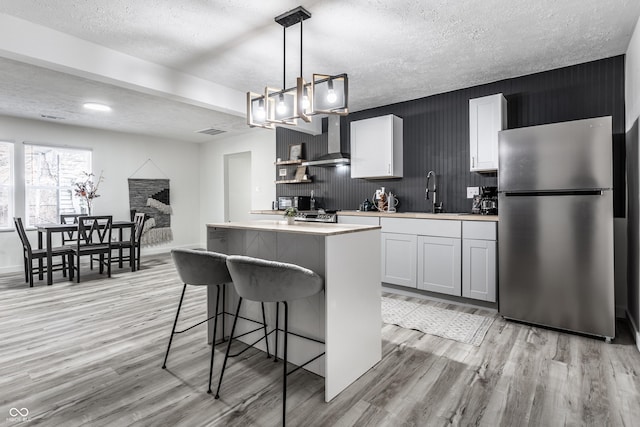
[424, 227]
[479, 230]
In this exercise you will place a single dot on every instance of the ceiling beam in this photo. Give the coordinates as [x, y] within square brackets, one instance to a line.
[35, 44]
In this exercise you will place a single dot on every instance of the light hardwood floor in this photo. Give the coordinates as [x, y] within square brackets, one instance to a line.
[90, 354]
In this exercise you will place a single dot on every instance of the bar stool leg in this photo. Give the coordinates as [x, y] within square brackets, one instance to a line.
[175, 323]
[224, 301]
[226, 355]
[284, 367]
[213, 340]
[275, 352]
[264, 327]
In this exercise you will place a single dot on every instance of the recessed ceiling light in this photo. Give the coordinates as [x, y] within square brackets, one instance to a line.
[96, 107]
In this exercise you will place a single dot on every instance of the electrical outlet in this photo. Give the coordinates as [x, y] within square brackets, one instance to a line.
[472, 191]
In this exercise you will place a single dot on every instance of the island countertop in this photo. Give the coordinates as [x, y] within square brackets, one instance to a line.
[320, 229]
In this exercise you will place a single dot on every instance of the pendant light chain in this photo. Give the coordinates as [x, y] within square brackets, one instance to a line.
[284, 57]
[301, 47]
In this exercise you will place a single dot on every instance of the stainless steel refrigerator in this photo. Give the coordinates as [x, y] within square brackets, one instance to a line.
[556, 226]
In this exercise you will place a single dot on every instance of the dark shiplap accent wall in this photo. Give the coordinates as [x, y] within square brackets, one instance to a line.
[436, 136]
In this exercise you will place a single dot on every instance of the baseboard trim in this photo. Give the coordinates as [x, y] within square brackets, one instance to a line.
[11, 269]
[634, 327]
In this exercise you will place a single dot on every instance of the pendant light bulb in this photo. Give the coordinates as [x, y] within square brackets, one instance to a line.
[281, 108]
[260, 113]
[305, 100]
[331, 94]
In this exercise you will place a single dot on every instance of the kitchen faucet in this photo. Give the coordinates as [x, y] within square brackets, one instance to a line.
[431, 174]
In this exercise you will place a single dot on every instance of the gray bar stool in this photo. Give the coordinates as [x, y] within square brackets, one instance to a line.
[202, 268]
[269, 281]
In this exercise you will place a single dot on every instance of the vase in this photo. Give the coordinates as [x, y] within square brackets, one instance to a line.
[290, 220]
[89, 207]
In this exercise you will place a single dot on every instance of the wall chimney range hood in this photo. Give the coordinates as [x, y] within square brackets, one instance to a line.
[334, 157]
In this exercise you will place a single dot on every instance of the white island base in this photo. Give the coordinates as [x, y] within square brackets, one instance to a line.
[346, 316]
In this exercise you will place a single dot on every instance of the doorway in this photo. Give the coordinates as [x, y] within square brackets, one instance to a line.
[237, 186]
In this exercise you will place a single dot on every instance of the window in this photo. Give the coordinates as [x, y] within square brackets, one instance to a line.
[6, 184]
[50, 174]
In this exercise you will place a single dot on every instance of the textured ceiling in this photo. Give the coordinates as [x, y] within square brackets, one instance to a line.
[392, 50]
[30, 92]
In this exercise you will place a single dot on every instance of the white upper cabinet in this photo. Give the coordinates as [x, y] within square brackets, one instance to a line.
[487, 117]
[376, 147]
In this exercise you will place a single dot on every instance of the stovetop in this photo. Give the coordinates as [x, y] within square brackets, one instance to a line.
[320, 215]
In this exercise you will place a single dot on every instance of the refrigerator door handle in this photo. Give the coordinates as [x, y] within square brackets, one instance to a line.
[594, 192]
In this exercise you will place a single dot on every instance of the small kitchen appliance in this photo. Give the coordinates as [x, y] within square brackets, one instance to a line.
[489, 200]
[302, 203]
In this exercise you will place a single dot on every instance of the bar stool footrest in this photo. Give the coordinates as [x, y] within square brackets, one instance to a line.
[305, 363]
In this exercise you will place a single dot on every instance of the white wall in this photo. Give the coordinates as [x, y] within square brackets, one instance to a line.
[118, 155]
[262, 145]
[632, 78]
[632, 108]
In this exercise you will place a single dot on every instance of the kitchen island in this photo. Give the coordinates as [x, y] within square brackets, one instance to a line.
[346, 316]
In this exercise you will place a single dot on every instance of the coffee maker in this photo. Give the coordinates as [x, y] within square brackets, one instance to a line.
[486, 203]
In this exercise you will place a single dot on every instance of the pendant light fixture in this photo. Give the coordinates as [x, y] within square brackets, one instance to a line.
[325, 94]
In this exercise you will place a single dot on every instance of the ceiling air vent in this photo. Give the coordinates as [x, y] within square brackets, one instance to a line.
[46, 116]
[211, 131]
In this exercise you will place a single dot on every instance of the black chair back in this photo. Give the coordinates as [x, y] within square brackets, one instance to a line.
[139, 218]
[26, 245]
[69, 236]
[94, 230]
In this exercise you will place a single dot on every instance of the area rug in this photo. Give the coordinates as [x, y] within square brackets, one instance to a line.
[454, 325]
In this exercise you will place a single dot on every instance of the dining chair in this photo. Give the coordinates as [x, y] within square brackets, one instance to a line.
[131, 245]
[93, 238]
[139, 218]
[69, 236]
[31, 255]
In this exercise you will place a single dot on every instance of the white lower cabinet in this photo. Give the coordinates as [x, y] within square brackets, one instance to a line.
[479, 260]
[445, 256]
[439, 260]
[399, 259]
[479, 269]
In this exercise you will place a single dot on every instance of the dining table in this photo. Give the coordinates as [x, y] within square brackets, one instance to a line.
[48, 230]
